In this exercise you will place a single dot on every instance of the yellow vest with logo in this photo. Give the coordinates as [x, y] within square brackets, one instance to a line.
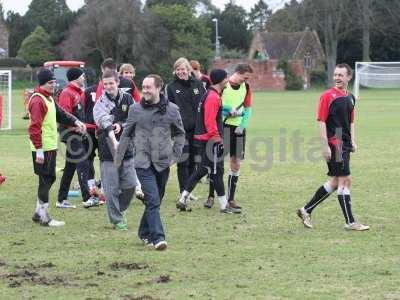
[233, 98]
[49, 125]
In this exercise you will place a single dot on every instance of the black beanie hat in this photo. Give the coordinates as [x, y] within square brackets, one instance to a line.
[217, 76]
[74, 73]
[44, 76]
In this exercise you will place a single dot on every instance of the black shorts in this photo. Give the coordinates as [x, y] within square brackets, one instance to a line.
[235, 143]
[339, 165]
[48, 168]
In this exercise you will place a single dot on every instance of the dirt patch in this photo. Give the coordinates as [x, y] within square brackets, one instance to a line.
[162, 279]
[115, 266]
[31, 266]
[16, 279]
[144, 297]
[18, 243]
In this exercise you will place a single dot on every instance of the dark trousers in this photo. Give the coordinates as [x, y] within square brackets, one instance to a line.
[76, 159]
[153, 186]
[91, 145]
[212, 163]
[187, 163]
[46, 173]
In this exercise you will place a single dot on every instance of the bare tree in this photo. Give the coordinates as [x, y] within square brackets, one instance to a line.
[118, 29]
[329, 18]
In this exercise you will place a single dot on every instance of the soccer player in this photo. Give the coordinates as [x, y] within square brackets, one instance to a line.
[336, 122]
[110, 113]
[76, 156]
[208, 134]
[186, 91]
[156, 128]
[236, 101]
[45, 113]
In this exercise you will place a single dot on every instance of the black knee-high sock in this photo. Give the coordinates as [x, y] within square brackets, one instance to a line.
[345, 205]
[232, 181]
[211, 189]
[320, 195]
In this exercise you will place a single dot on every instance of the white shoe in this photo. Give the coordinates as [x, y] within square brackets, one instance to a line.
[305, 217]
[356, 226]
[161, 245]
[193, 197]
[55, 223]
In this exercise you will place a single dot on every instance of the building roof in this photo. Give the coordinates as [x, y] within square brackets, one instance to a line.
[286, 45]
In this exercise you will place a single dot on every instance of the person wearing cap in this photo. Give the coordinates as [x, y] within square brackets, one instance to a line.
[208, 134]
[237, 102]
[45, 113]
[76, 157]
[196, 71]
[185, 91]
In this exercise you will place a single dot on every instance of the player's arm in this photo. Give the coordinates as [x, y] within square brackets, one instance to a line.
[325, 149]
[211, 108]
[37, 110]
[322, 117]
[353, 133]
[248, 100]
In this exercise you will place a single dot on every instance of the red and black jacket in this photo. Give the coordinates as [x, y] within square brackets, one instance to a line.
[209, 125]
[336, 110]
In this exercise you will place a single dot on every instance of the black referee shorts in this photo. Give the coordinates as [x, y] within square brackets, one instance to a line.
[235, 142]
[339, 165]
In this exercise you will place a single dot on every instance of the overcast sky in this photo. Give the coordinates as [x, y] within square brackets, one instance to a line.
[21, 6]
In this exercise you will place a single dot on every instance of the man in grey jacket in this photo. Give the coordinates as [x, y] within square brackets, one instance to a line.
[110, 113]
[156, 128]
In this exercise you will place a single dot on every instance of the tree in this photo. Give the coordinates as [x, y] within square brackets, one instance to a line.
[329, 17]
[117, 29]
[36, 48]
[188, 35]
[53, 15]
[18, 30]
[287, 19]
[187, 3]
[259, 16]
[233, 27]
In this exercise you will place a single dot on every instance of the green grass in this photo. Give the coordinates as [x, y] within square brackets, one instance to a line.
[265, 253]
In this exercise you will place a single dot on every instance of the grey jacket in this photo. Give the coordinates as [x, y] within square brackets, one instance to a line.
[158, 137]
[107, 112]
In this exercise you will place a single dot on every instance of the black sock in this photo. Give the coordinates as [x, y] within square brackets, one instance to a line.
[232, 181]
[320, 195]
[345, 204]
[211, 189]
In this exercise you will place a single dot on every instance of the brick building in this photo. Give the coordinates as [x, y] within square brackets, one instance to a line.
[303, 51]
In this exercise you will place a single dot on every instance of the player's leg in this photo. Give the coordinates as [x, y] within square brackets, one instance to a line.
[236, 151]
[344, 197]
[322, 193]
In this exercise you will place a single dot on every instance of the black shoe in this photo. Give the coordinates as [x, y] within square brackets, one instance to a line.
[36, 217]
[209, 203]
[237, 209]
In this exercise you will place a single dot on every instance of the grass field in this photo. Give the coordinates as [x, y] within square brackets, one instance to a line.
[264, 253]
